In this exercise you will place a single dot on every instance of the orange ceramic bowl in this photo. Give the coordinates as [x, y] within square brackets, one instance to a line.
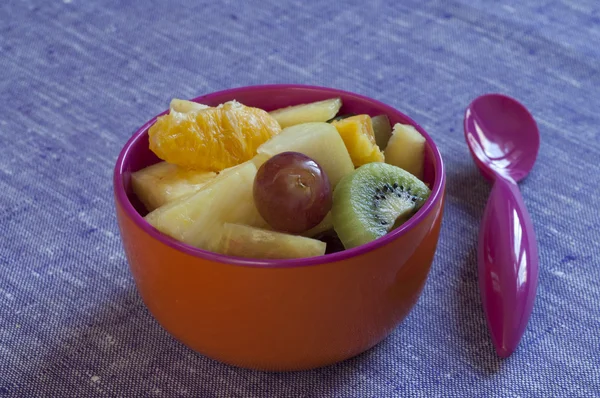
[280, 314]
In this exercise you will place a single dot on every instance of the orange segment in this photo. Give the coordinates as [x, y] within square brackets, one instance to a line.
[213, 138]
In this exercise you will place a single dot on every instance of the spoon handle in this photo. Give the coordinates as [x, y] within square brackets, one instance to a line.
[508, 265]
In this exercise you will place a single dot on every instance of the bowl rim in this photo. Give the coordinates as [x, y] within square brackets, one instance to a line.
[130, 212]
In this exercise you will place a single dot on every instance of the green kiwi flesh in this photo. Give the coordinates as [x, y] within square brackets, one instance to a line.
[373, 200]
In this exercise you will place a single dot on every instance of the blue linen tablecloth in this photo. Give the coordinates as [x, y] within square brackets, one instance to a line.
[78, 77]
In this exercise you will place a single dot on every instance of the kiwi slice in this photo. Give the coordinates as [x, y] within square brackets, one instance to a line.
[373, 200]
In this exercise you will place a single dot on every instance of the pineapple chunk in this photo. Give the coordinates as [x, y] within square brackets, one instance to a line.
[359, 138]
[320, 111]
[406, 149]
[245, 241]
[184, 106]
[319, 141]
[163, 182]
[198, 219]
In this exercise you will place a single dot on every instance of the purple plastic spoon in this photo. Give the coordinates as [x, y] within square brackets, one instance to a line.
[504, 141]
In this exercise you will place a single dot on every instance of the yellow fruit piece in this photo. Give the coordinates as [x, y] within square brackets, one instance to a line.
[164, 182]
[406, 149]
[198, 219]
[211, 139]
[320, 111]
[357, 133]
[179, 105]
[245, 241]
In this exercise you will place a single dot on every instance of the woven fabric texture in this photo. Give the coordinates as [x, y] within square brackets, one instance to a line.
[77, 78]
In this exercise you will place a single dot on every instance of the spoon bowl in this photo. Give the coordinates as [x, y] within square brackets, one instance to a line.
[502, 135]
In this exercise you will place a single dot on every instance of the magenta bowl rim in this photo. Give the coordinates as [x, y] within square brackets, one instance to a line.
[437, 190]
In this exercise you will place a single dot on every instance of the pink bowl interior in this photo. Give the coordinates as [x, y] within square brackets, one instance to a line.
[136, 155]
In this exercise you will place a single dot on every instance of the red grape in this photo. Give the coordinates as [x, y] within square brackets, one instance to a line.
[292, 192]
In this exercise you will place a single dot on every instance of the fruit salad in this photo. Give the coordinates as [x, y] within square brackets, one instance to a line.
[295, 182]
